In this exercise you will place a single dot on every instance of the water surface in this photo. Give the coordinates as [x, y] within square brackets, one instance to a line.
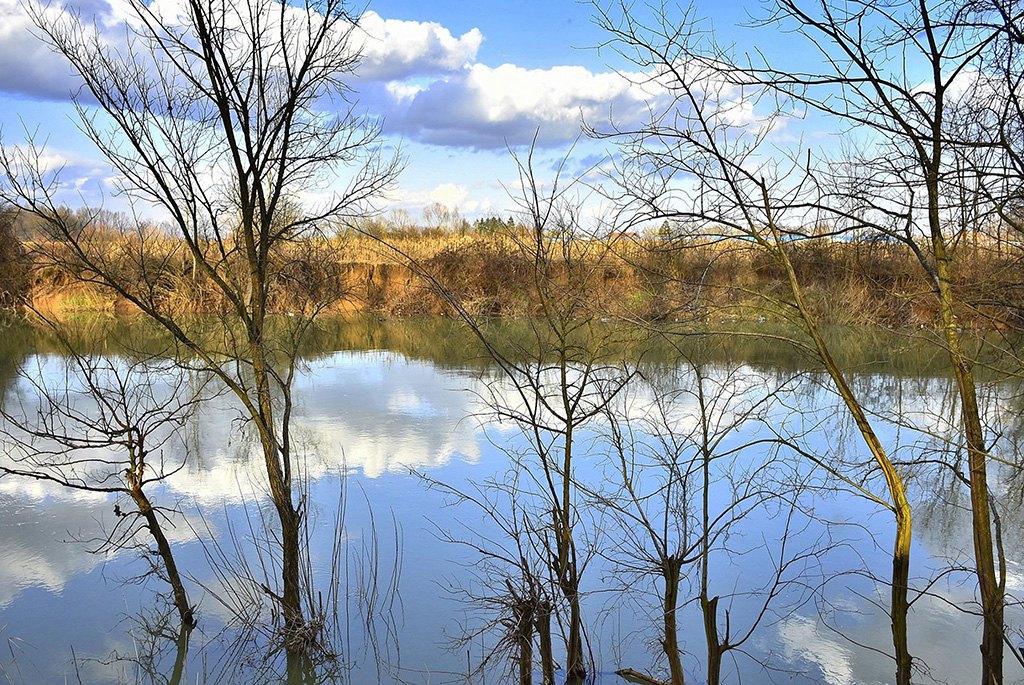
[383, 405]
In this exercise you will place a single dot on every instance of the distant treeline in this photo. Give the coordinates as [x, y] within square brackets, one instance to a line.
[652, 276]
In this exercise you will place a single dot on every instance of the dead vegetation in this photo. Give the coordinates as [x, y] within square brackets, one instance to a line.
[851, 283]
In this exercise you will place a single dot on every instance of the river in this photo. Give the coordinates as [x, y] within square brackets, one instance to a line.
[390, 415]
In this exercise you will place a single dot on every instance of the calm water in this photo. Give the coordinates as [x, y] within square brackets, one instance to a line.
[379, 401]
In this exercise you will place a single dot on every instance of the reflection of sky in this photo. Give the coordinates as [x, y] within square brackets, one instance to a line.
[942, 639]
[374, 415]
[387, 413]
[803, 641]
[375, 412]
[33, 547]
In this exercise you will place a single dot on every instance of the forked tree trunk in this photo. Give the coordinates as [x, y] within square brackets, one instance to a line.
[709, 608]
[899, 606]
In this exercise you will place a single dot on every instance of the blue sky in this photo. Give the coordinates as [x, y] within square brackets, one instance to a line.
[455, 81]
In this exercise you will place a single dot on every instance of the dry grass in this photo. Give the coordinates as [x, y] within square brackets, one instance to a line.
[847, 282]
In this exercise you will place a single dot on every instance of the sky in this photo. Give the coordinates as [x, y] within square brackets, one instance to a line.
[457, 83]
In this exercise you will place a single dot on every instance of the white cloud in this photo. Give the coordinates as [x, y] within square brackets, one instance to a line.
[452, 195]
[491, 107]
[393, 49]
[488, 107]
[403, 91]
[424, 80]
[27, 64]
[470, 202]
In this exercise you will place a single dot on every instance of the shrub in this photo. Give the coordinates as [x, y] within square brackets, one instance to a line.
[13, 273]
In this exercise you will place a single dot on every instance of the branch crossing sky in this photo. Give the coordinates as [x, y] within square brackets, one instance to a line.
[457, 83]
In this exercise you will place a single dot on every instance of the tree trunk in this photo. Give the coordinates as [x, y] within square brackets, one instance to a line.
[291, 600]
[180, 653]
[547, 658]
[709, 608]
[523, 617]
[163, 547]
[278, 468]
[569, 580]
[300, 670]
[899, 604]
[990, 588]
[977, 454]
[575, 668]
[295, 639]
[670, 643]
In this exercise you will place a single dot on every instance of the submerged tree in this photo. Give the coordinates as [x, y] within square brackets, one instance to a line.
[553, 382]
[511, 583]
[739, 194]
[900, 83]
[557, 381]
[690, 459]
[109, 425]
[221, 116]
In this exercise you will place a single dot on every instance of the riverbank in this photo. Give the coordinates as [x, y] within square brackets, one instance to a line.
[847, 283]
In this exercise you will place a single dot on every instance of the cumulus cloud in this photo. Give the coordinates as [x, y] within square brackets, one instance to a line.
[491, 107]
[450, 194]
[421, 78]
[469, 201]
[28, 66]
[486, 107]
[393, 49]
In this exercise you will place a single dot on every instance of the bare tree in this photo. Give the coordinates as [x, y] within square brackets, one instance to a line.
[217, 117]
[511, 581]
[740, 195]
[868, 82]
[108, 425]
[560, 378]
[688, 464]
[557, 379]
[987, 116]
